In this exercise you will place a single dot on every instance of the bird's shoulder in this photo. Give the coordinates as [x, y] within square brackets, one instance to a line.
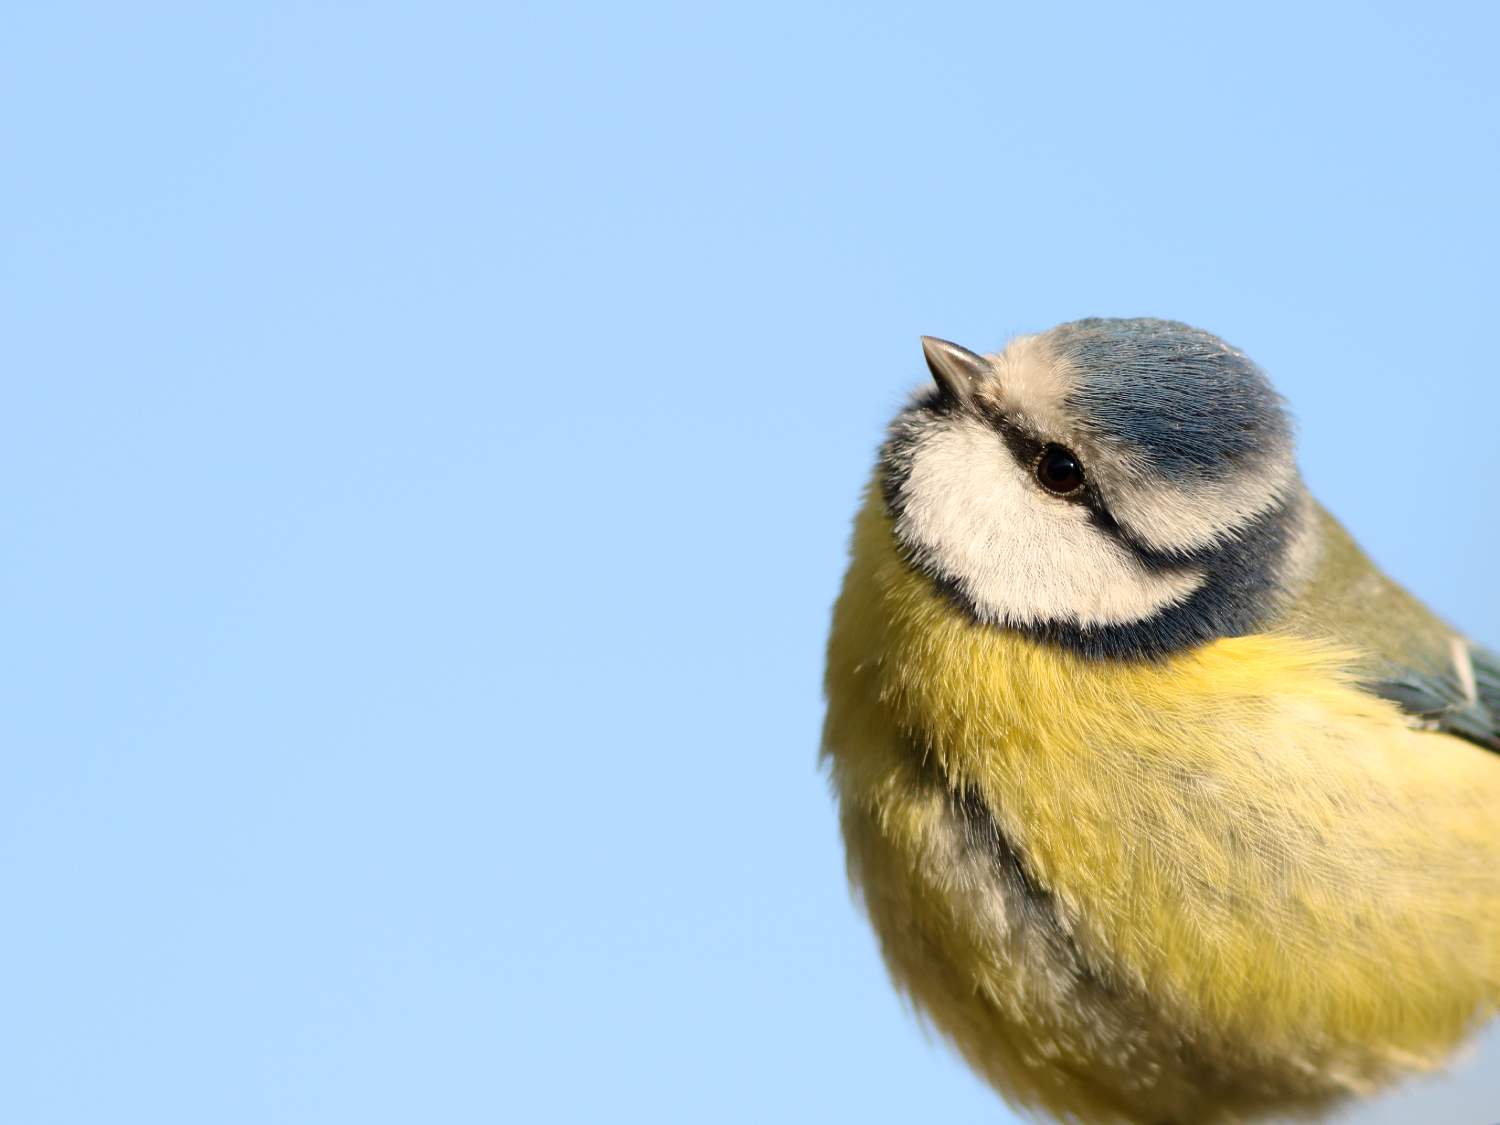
[1408, 654]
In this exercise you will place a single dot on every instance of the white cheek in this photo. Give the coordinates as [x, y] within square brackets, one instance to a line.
[1022, 557]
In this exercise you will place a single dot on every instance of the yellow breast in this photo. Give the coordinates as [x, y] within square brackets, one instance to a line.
[1247, 883]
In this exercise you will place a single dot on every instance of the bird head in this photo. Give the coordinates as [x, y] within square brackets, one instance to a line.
[1123, 487]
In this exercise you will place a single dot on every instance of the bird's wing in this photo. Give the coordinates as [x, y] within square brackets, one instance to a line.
[1411, 656]
[1448, 703]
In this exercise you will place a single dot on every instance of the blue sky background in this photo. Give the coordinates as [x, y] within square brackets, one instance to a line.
[427, 444]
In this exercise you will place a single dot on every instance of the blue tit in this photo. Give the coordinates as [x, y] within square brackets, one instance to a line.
[1166, 805]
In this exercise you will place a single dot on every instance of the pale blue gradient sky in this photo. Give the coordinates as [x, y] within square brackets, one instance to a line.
[429, 438]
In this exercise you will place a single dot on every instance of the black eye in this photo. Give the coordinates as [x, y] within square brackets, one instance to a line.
[1059, 471]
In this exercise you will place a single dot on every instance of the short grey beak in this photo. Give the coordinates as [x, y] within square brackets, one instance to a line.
[957, 370]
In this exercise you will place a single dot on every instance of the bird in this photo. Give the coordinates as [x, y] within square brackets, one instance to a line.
[1166, 805]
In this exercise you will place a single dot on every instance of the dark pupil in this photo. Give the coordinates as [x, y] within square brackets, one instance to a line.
[1059, 471]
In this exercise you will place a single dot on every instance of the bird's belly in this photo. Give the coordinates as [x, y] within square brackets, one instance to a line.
[996, 961]
[1178, 928]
